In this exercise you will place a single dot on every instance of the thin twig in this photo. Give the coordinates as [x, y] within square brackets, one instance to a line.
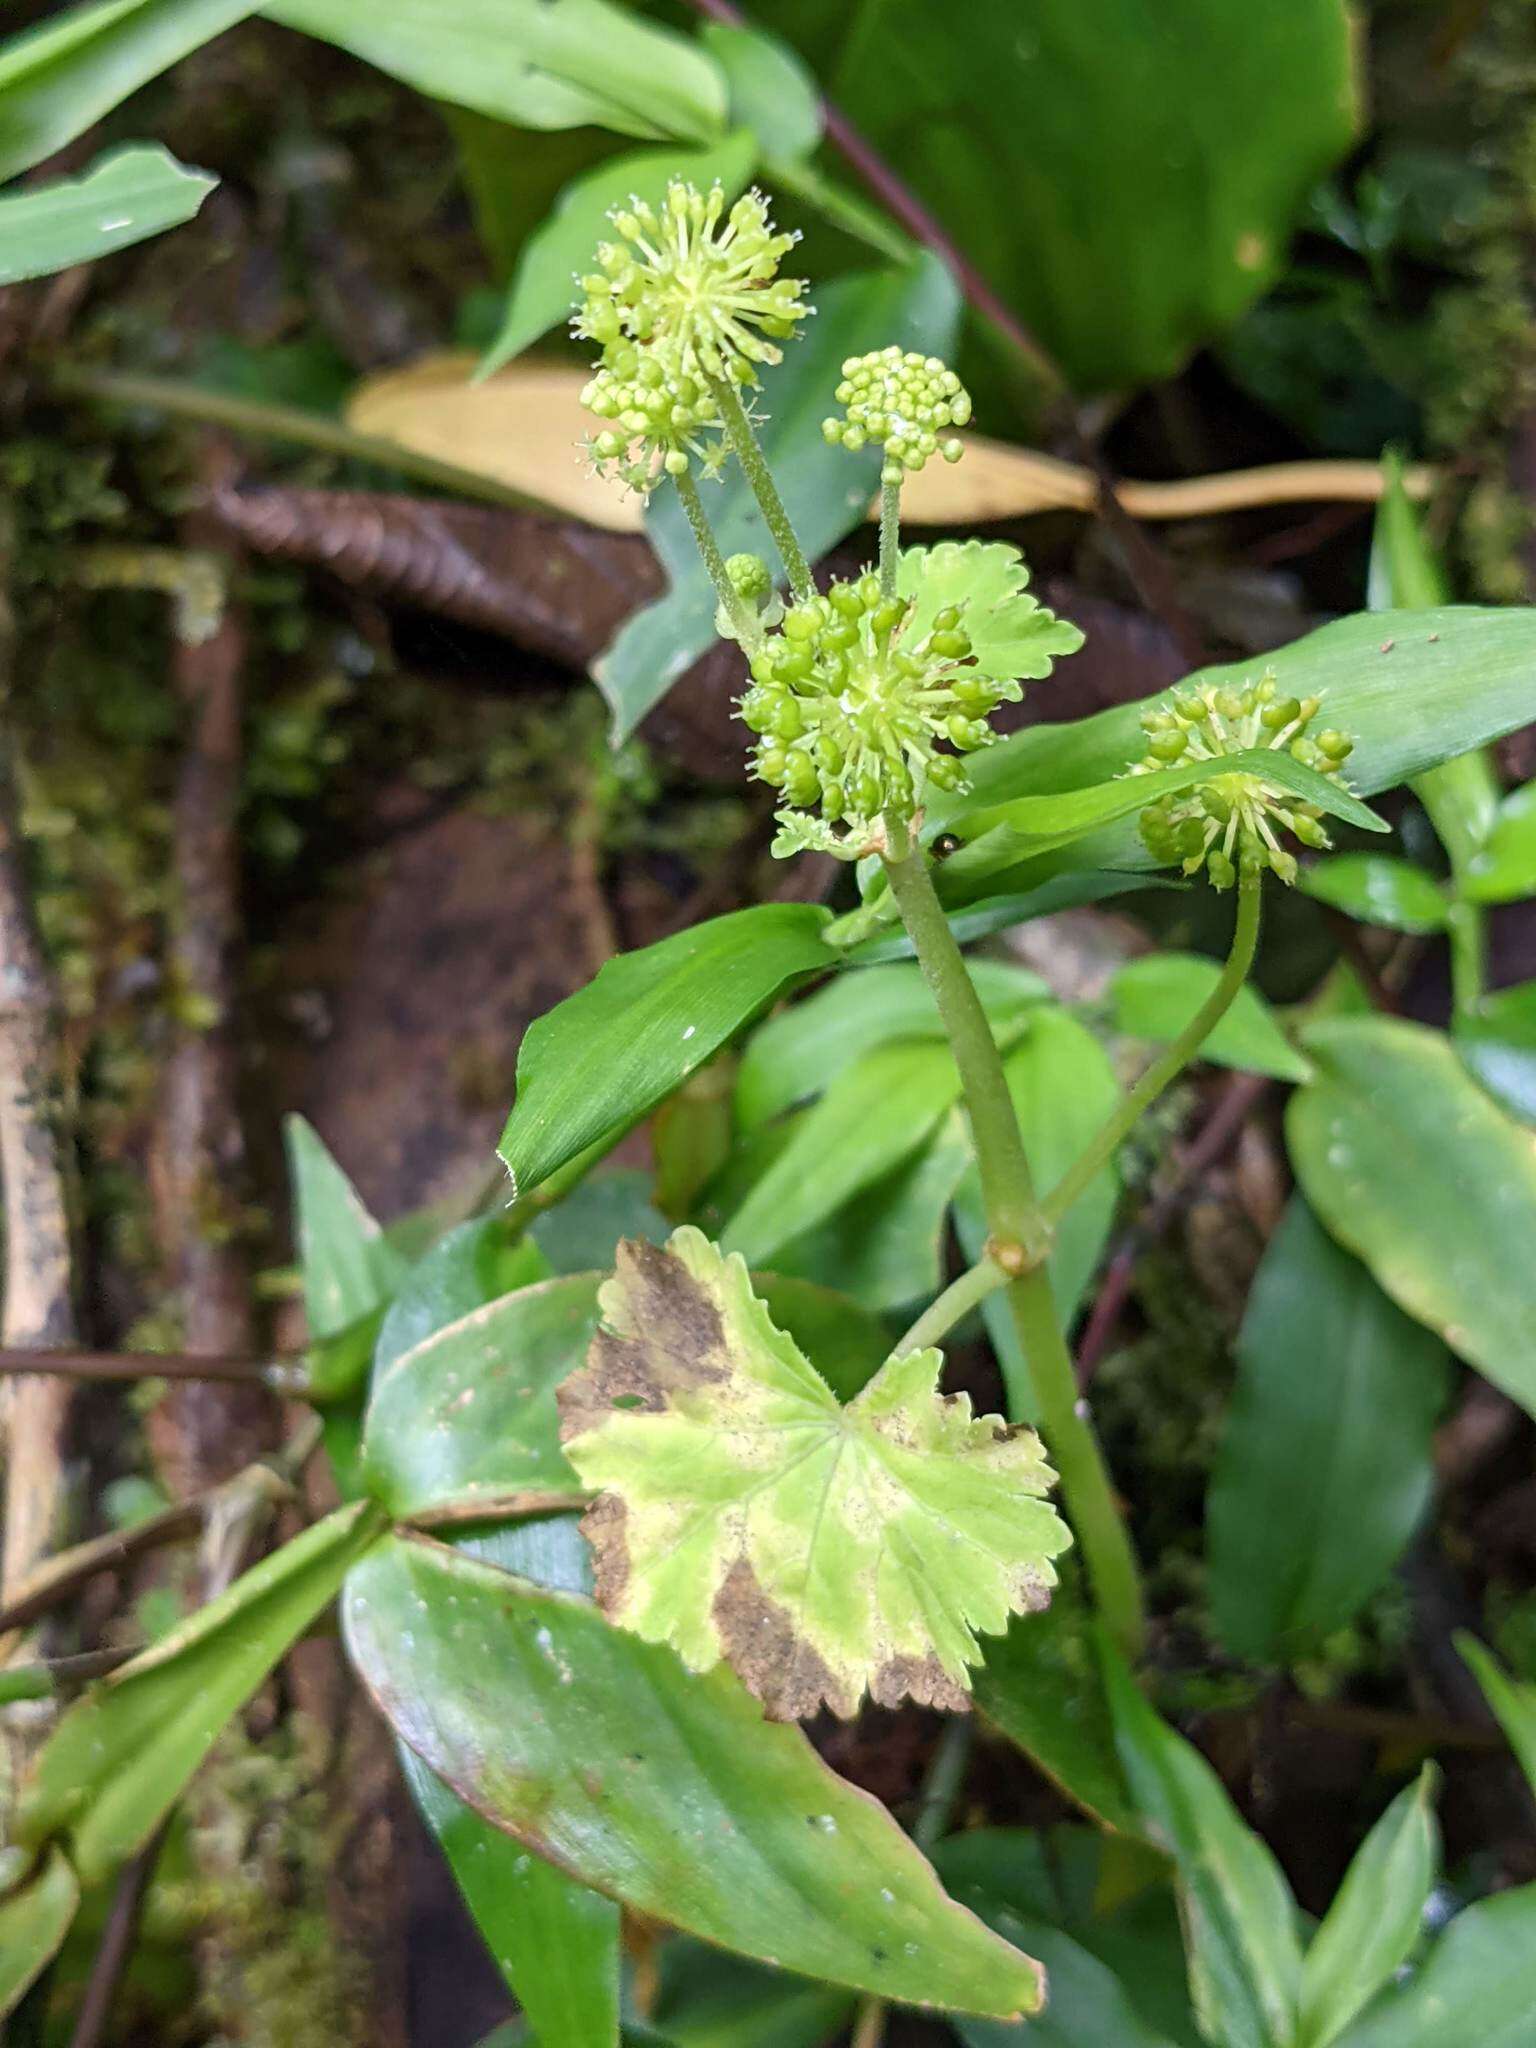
[63, 1576]
[115, 1949]
[282, 1372]
[39, 1308]
[209, 1427]
[1145, 563]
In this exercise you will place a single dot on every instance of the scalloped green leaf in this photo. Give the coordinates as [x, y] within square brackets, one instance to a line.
[668, 1791]
[1013, 635]
[746, 1516]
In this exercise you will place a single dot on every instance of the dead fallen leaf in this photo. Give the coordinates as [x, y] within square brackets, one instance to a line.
[525, 427]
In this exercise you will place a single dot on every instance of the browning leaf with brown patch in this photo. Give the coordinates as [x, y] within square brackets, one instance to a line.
[745, 1514]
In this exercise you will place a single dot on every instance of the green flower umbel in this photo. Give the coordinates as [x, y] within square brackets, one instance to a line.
[685, 298]
[903, 402]
[1231, 821]
[862, 701]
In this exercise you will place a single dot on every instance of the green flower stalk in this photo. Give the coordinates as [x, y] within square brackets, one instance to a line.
[903, 402]
[1230, 823]
[685, 300]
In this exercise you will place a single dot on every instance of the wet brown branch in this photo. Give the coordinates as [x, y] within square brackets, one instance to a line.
[39, 1307]
[283, 1375]
[115, 1949]
[66, 1574]
[207, 1427]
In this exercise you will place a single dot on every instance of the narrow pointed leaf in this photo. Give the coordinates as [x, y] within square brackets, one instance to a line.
[746, 1515]
[1375, 1917]
[770, 90]
[350, 1266]
[667, 1791]
[1240, 1918]
[607, 1055]
[1497, 1044]
[1375, 888]
[799, 1052]
[538, 63]
[1477, 1985]
[876, 1114]
[1506, 866]
[706, 1999]
[1017, 1881]
[1063, 1088]
[1423, 1177]
[124, 1753]
[1513, 1702]
[474, 1263]
[125, 197]
[58, 78]
[1412, 688]
[1325, 1467]
[885, 1248]
[1043, 1686]
[34, 1918]
[1005, 834]
[1157, 997]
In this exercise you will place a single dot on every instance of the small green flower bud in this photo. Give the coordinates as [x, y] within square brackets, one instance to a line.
[750, 577]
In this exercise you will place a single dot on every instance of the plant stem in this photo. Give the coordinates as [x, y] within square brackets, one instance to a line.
[748, 631]
[1013, 1214]
[1465, 928]
[1073, 1445]
[1017, 1226]
[952, 1306]
[287, 423]
[890, 536]
[943, 1781]
[738, 431]
[1113, 1131]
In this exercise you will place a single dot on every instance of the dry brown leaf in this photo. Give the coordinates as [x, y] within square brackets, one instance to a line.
[525, 427]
